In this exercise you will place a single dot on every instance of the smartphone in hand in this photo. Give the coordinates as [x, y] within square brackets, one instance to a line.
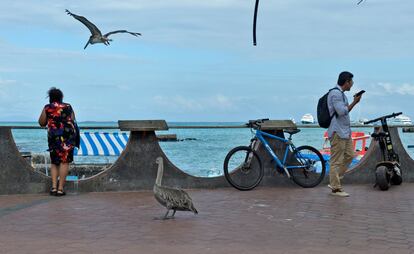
[359, 93]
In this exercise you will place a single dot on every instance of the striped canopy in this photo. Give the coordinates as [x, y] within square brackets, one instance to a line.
[101, 143]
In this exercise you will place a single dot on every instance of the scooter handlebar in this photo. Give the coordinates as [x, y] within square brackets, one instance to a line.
[383, 117]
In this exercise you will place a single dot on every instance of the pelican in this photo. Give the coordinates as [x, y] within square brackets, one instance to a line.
[172, 199]
[97, 36]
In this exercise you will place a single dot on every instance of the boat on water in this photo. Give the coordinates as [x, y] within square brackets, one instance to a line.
[400, 120]
[360, 121]
[307, 119]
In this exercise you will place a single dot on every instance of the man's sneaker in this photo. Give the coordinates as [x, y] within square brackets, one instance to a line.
[339, 193]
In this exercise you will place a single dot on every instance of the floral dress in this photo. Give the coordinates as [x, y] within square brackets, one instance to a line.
[61, 133]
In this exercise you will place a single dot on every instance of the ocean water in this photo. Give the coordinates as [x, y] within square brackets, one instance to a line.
[201, 156]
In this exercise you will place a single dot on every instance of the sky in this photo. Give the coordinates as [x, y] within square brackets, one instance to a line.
[195, 60]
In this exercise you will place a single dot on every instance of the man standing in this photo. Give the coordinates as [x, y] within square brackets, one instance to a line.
[339, 132]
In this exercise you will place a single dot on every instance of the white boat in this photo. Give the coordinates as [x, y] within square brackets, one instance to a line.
[307, 119]
[400, 120]
[359, 121]
[363, 120]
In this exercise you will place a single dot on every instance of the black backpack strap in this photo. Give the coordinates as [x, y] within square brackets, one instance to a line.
[335, 114]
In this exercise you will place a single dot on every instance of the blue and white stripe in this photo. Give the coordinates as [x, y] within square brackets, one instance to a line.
[101, 143]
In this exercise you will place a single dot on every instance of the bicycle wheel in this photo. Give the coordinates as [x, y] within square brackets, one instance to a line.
[312, 170]
[243, 168]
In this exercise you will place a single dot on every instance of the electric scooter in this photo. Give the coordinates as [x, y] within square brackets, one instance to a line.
[388, 171]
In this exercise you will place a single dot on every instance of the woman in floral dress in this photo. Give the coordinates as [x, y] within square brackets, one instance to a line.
[61, 134]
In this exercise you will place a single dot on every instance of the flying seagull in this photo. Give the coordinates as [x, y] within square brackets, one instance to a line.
[97, 36]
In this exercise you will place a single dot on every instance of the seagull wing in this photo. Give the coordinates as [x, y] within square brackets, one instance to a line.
[121, 31]
[94, 30]
[360, 1]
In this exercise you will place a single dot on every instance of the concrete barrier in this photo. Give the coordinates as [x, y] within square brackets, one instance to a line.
[16, 175]
[135, 169]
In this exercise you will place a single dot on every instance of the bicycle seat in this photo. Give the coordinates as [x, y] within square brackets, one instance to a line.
[378, 135]
[292, 131]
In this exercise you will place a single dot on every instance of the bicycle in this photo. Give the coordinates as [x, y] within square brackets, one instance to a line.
[243, 167]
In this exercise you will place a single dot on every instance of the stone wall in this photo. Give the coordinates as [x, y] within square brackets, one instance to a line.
[135, 169]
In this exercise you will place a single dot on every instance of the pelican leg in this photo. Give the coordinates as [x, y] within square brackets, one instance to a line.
[86, 45]
[173, 213]
[166, 215]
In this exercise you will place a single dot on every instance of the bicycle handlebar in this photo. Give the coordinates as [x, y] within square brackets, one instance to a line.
[383, 117]
[256, 123]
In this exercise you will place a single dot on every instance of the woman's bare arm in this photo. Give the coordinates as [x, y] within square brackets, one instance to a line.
[43, 118]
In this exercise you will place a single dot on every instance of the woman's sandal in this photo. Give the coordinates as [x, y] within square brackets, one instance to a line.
[60, 193]
[53, 191]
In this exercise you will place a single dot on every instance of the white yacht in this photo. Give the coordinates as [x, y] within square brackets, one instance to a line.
[360, 121]
[307, 119]
[400, 120]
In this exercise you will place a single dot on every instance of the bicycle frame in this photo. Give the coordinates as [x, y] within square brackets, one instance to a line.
[282, 164]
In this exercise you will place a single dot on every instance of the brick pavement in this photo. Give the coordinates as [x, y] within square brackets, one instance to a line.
[265, 220]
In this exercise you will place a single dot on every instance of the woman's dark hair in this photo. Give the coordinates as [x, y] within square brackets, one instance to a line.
[344, 77]
[55, 95]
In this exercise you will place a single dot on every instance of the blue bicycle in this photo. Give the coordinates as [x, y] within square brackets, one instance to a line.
[243, 167]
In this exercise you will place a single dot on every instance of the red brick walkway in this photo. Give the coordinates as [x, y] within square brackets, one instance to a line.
[265, 220]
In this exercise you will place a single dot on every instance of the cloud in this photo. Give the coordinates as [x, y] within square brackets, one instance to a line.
[198, 55]
[227, 23]
[5, 85]
[142, 5]
[404, 89]
[178, 103]
[5, 82]
[217, 102]
[10, 50]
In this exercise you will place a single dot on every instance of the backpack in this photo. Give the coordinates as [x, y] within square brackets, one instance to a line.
[324, 118]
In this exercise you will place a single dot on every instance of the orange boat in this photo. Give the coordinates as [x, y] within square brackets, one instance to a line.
[359, 142]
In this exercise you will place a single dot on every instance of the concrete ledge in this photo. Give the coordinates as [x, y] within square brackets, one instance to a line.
[142, 125]
[272, 125]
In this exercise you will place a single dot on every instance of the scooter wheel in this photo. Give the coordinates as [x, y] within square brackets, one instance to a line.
[382, 178]
[396, 180]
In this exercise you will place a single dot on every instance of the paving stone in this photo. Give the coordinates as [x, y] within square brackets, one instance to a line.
[265, 220]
